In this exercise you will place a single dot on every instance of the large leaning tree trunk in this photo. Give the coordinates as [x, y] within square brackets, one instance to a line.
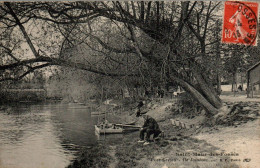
[197, 96]
[208, 91]
[204, 92]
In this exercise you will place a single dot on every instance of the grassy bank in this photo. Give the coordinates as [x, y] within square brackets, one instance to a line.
[169, 152]
[179, 149]
[97, 156]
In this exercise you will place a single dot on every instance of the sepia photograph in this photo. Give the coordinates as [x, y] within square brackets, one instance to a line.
[129, 84]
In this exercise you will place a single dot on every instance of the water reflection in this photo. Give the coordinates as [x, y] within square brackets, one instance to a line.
[33, 136]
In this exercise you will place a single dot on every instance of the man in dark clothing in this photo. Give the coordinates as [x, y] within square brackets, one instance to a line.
[139, 106]
[240, 88]
[150, 127]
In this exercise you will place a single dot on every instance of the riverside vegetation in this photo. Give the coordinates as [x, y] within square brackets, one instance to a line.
[180, 147]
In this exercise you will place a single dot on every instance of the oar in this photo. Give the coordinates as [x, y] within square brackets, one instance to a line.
[124, 125]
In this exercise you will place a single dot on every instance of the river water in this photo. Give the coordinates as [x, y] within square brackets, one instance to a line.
[44, 135]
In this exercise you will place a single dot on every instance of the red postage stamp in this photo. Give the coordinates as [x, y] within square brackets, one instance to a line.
[240, 23]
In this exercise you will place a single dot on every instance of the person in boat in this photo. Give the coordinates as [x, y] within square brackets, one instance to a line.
[150, 127]
[105, 124]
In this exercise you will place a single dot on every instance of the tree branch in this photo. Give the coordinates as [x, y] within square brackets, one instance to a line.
[32, 69]
[7, 4]
[207, 20]
[62, 62]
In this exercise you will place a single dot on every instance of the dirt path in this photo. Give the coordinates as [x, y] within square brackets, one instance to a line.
[243, 140]
[238, 98]
[159, 113]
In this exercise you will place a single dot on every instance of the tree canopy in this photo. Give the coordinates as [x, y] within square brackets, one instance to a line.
[154, 42]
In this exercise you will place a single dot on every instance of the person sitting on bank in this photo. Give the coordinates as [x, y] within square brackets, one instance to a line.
[150, 127]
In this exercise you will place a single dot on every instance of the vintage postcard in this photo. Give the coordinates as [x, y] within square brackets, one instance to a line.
[129, 84]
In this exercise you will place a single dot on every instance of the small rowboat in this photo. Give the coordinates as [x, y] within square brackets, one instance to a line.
[115, 129]
[108, 130]
[97, 113]
[127, 126]
[100, 113]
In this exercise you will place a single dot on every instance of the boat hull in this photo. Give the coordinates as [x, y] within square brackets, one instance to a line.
[99, 130]
[97, 113]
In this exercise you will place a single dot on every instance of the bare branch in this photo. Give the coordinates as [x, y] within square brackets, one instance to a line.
[22, 29]
[62, 62]
[9, 52]
[32, 69]
[207, 20]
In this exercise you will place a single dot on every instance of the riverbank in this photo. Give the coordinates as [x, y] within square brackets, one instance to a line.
[181, 148]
